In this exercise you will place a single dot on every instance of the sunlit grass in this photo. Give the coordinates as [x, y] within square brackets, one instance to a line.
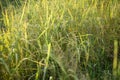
[60, 40]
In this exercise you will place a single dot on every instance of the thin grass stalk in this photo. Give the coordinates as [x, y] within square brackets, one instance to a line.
[47, 61]
[115, 59]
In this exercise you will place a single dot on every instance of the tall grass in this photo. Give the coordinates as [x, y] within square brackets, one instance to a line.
[60, 40]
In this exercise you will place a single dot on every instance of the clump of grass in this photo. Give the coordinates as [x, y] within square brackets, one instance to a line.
[59, 40]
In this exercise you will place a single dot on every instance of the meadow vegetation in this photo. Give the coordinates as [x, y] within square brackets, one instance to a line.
[59, 40]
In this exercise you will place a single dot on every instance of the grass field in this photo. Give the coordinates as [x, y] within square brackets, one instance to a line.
[60, 40]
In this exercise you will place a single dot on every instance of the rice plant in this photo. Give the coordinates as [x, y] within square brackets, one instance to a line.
[59, 39]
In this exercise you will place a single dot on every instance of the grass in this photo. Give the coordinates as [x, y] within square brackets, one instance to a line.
[60, 40]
